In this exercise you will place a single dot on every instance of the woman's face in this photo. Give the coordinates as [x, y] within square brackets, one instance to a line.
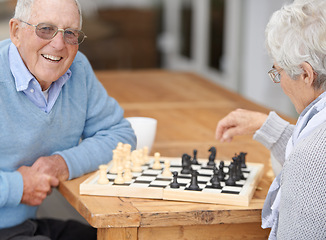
[300, 90]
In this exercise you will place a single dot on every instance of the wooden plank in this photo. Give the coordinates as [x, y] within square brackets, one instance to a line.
[117, 234]
[100, 212]
[194, 214]
[251, 231]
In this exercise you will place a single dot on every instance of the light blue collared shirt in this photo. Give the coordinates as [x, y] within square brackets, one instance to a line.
[26, 82]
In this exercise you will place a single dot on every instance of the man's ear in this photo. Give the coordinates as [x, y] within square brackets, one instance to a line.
[14, 28]
[308, 73]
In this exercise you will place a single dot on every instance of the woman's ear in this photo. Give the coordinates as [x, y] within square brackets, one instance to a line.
[14, 28]
[308, 74]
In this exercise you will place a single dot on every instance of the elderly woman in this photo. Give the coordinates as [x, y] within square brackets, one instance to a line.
[295, 204]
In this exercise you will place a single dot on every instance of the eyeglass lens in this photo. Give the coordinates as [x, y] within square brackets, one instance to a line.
[274, 75]
[48, 31]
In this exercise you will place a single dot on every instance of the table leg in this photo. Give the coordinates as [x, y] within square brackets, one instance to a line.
[117, 234]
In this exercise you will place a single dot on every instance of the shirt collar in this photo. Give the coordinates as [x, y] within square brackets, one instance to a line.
[18, 69]
[22, 75]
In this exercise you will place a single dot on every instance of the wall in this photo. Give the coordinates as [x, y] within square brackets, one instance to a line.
[254, 81]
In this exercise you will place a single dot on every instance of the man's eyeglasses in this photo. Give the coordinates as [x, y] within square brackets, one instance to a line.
[274, 75]
[48, 31]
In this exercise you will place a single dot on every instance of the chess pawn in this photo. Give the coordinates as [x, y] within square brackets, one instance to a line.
[166, 172]
[127, 176]
[194, 181]
[174, 183]
[157, 164]
[215, 180]
[119, 179]
[230, 181]
[103, 178]
[194, 160]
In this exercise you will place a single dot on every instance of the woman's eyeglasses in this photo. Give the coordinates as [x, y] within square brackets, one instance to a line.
[274, 75]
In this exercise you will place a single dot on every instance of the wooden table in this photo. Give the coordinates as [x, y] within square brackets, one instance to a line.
[187, 108]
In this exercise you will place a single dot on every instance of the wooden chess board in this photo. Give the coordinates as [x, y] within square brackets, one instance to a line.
[149, 183]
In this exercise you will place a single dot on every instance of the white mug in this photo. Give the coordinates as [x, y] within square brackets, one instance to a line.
[145, 130]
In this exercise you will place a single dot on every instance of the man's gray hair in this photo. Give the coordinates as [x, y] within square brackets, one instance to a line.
[24, 8]
[297, 33]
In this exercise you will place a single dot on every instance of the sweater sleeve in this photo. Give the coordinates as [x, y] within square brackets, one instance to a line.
[11, 188]
[274, 135]
[104, 127]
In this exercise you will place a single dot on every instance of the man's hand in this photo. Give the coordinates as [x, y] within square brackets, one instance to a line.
[37, 185]
[239, 122]
[53, 165]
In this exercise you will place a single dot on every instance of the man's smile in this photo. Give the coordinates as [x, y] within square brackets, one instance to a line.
[51, 58]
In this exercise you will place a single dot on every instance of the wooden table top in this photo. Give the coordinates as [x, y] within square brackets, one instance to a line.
[187, 108]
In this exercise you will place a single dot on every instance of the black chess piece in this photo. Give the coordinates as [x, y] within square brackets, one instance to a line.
[230, 181]
[221, 174]
[243, 159]
[175, 183]
[221, 166]
[211, 158]
[215, 180]
[194, 182]
[194, 160]
[237, 167]
[186, 164]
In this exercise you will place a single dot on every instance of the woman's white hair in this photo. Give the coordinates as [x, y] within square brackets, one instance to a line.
[297, 33]
[24, 8]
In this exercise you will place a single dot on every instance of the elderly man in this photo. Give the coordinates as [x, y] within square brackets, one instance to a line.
[57, 121]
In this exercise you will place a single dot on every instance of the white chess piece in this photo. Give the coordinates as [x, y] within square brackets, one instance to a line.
[145, 154]
[126, 153]
[119, 179]
[119, 146]
[136, 162]
[127, 176]
[166, 172]
[157, 164]
[103, 178]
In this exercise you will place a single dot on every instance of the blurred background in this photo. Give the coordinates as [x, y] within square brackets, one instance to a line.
[222, 40]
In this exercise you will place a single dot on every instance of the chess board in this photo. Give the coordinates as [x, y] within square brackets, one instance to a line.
[149, 183]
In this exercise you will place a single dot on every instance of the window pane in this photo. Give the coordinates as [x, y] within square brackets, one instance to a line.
[216, 33]
[186, 28]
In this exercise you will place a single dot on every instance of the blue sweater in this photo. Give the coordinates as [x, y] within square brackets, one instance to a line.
[83, 110]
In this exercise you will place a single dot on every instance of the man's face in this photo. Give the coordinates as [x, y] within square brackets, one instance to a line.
[48, 60]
